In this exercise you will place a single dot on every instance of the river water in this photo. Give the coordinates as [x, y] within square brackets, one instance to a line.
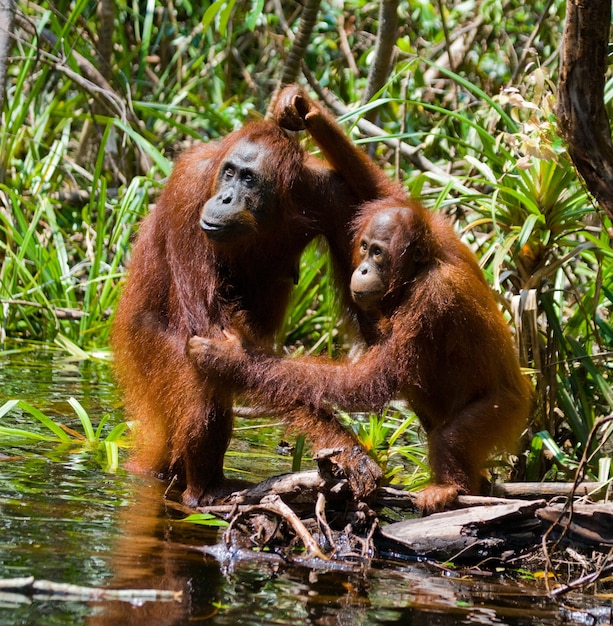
[66, 520]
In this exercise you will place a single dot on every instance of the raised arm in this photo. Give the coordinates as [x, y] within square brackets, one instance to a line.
[303, 392]
[318, 383]
[294, 111]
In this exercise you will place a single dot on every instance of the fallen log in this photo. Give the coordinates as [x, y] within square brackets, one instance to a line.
[481, 526]
[589, 524]
[466, 534]
[499, 530]
[593, 490]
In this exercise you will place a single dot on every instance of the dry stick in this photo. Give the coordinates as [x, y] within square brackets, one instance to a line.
[320, 514]
[548, 490]
[367, 542]
[7, 19]
[62, 313]
[88, 593]
[441, 10]
[345, 47]
[588, 579]
[568, 508]
[404, 85]
[274, 504]
[282, 21]
[271, 503]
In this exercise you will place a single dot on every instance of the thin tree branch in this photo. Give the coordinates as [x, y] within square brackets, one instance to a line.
[387, 33]
[308, 20]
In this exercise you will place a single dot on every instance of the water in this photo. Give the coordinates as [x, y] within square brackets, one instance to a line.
[64, 519]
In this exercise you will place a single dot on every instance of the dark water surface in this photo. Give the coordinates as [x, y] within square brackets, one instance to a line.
[64, 519]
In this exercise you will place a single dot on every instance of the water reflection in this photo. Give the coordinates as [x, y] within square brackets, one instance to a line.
[152, 552]
[63, 519]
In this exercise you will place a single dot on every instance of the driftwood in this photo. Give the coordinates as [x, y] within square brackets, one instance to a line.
[302, 503]
[501, 531]
[589, 524]
[481, 527]
[476, 532]
[45, 590]
[274, 505]
[592, 490]
[295, 488]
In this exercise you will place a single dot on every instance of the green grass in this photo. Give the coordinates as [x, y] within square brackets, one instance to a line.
[54, 432]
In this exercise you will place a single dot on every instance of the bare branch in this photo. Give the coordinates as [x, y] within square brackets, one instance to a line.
[298, 49]
[387, 34]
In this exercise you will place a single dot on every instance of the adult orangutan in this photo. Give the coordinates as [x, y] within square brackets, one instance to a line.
[220, 252]
[436, 337]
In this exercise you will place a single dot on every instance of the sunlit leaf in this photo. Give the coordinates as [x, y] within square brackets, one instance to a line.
[205, 519]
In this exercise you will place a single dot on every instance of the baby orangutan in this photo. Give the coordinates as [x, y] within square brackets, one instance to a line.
[437, 339]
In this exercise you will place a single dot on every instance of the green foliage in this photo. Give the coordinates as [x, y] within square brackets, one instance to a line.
[60, 434]
[205, 519]
[313, 314]
[59, 282]
[393, 440]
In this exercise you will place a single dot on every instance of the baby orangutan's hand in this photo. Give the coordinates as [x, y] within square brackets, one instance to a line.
[216, 356]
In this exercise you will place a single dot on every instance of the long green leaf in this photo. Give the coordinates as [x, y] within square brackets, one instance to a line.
[84, 419]
[38, 415]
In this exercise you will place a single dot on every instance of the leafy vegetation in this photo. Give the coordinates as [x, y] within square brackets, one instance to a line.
[86, 141]
[58, 433]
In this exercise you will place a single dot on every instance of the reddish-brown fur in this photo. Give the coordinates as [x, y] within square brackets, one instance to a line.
[181, 283]
[437, 338]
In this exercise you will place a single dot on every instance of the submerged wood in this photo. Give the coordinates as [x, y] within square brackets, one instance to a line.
[481, 527]
[64, 591]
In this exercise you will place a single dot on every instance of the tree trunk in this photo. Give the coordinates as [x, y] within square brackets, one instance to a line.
[581, 113]
[106, 15]
[7, 19]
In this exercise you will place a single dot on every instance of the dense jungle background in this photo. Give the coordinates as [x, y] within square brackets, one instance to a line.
[456, 99]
